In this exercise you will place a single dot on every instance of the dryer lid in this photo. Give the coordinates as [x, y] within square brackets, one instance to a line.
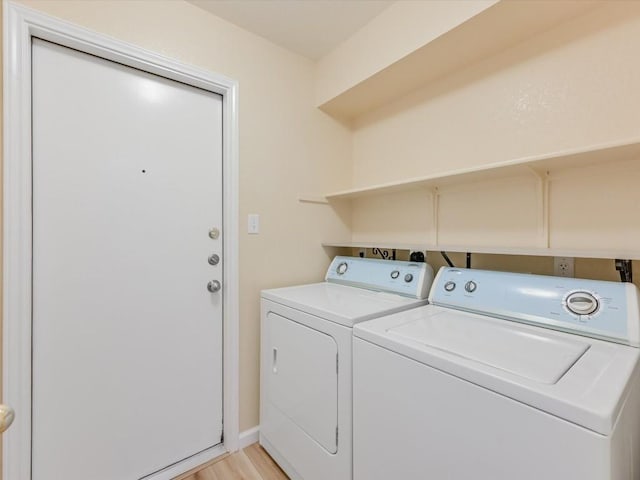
[341, 303]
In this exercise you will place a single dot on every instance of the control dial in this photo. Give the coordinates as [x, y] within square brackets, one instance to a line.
[395, 274]
[408, 277]
[450, 286]
[582, 303]
[342, 268]
[470, 286]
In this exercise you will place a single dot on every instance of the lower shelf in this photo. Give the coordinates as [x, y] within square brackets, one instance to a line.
[540, 252]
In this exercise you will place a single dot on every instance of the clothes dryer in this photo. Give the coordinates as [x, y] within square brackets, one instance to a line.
[306, 346]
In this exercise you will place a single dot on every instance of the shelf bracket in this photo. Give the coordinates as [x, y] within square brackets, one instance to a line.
[435, 203]
[542, 180]
[313, 199]
[624, 267]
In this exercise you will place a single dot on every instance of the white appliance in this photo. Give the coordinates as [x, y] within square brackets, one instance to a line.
[502, 377]
[305, 401]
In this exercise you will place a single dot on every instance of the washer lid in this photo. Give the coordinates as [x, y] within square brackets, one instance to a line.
[531, 355]
[341, 303]
[582, 380]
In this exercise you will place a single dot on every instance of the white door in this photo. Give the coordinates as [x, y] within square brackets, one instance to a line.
[127, 340]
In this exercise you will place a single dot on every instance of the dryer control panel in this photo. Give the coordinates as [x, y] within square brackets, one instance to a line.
[606, 310]
[411, 279]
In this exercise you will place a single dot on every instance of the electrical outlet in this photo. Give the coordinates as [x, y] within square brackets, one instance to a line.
[563, 266]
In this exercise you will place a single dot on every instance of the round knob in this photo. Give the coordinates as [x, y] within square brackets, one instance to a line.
[6, 417]
[408, 277]
[582, 303]
[214, 286]
[470, 286]
[342, 268]
[450, 286]
[213, 259]
[395, 274]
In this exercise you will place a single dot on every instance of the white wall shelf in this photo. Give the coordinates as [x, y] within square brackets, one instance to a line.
[538, 252]
[496, 28]
[543, 168]
[555, 161]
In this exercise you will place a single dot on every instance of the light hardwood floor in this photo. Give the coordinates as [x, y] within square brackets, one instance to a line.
[252, 463]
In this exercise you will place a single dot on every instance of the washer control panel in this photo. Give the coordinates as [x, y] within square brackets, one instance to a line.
[607, 310]
[411, 279]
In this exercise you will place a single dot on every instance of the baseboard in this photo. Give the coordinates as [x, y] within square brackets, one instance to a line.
[248, 437]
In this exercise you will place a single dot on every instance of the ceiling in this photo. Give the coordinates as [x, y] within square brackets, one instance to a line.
[311, 28]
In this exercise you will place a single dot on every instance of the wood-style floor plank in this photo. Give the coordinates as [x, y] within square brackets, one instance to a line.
[252, 463]
[268, 469]
[189, 475]
[235, 467]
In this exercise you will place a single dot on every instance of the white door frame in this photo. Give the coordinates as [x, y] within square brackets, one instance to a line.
[20, 24]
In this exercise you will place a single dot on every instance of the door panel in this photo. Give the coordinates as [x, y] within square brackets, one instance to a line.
[127, 341]
[303, 381]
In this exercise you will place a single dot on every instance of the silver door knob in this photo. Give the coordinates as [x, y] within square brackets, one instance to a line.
[213, 286]
[6, 417]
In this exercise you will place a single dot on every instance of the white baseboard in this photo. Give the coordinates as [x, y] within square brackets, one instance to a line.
[248, 437]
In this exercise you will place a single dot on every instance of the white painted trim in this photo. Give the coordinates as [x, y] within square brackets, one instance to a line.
[249, 437]
[20, 24]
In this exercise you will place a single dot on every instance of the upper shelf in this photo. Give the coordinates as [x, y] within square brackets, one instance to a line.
[612, 152]
[495, 29]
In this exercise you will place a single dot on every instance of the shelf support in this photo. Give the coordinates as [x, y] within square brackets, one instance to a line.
[435, 204]
[542, 193]
[313, 199]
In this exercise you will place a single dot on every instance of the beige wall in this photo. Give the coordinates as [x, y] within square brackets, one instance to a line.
[287, 147]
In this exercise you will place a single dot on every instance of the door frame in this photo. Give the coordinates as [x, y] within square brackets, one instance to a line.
[20, 25]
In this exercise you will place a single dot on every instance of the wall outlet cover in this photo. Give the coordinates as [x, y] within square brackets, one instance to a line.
[563, 266]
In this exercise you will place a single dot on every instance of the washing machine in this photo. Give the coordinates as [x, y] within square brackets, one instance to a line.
[502, 376]
[305, 363]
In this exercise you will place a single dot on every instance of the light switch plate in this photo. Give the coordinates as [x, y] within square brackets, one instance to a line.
[253, 224]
